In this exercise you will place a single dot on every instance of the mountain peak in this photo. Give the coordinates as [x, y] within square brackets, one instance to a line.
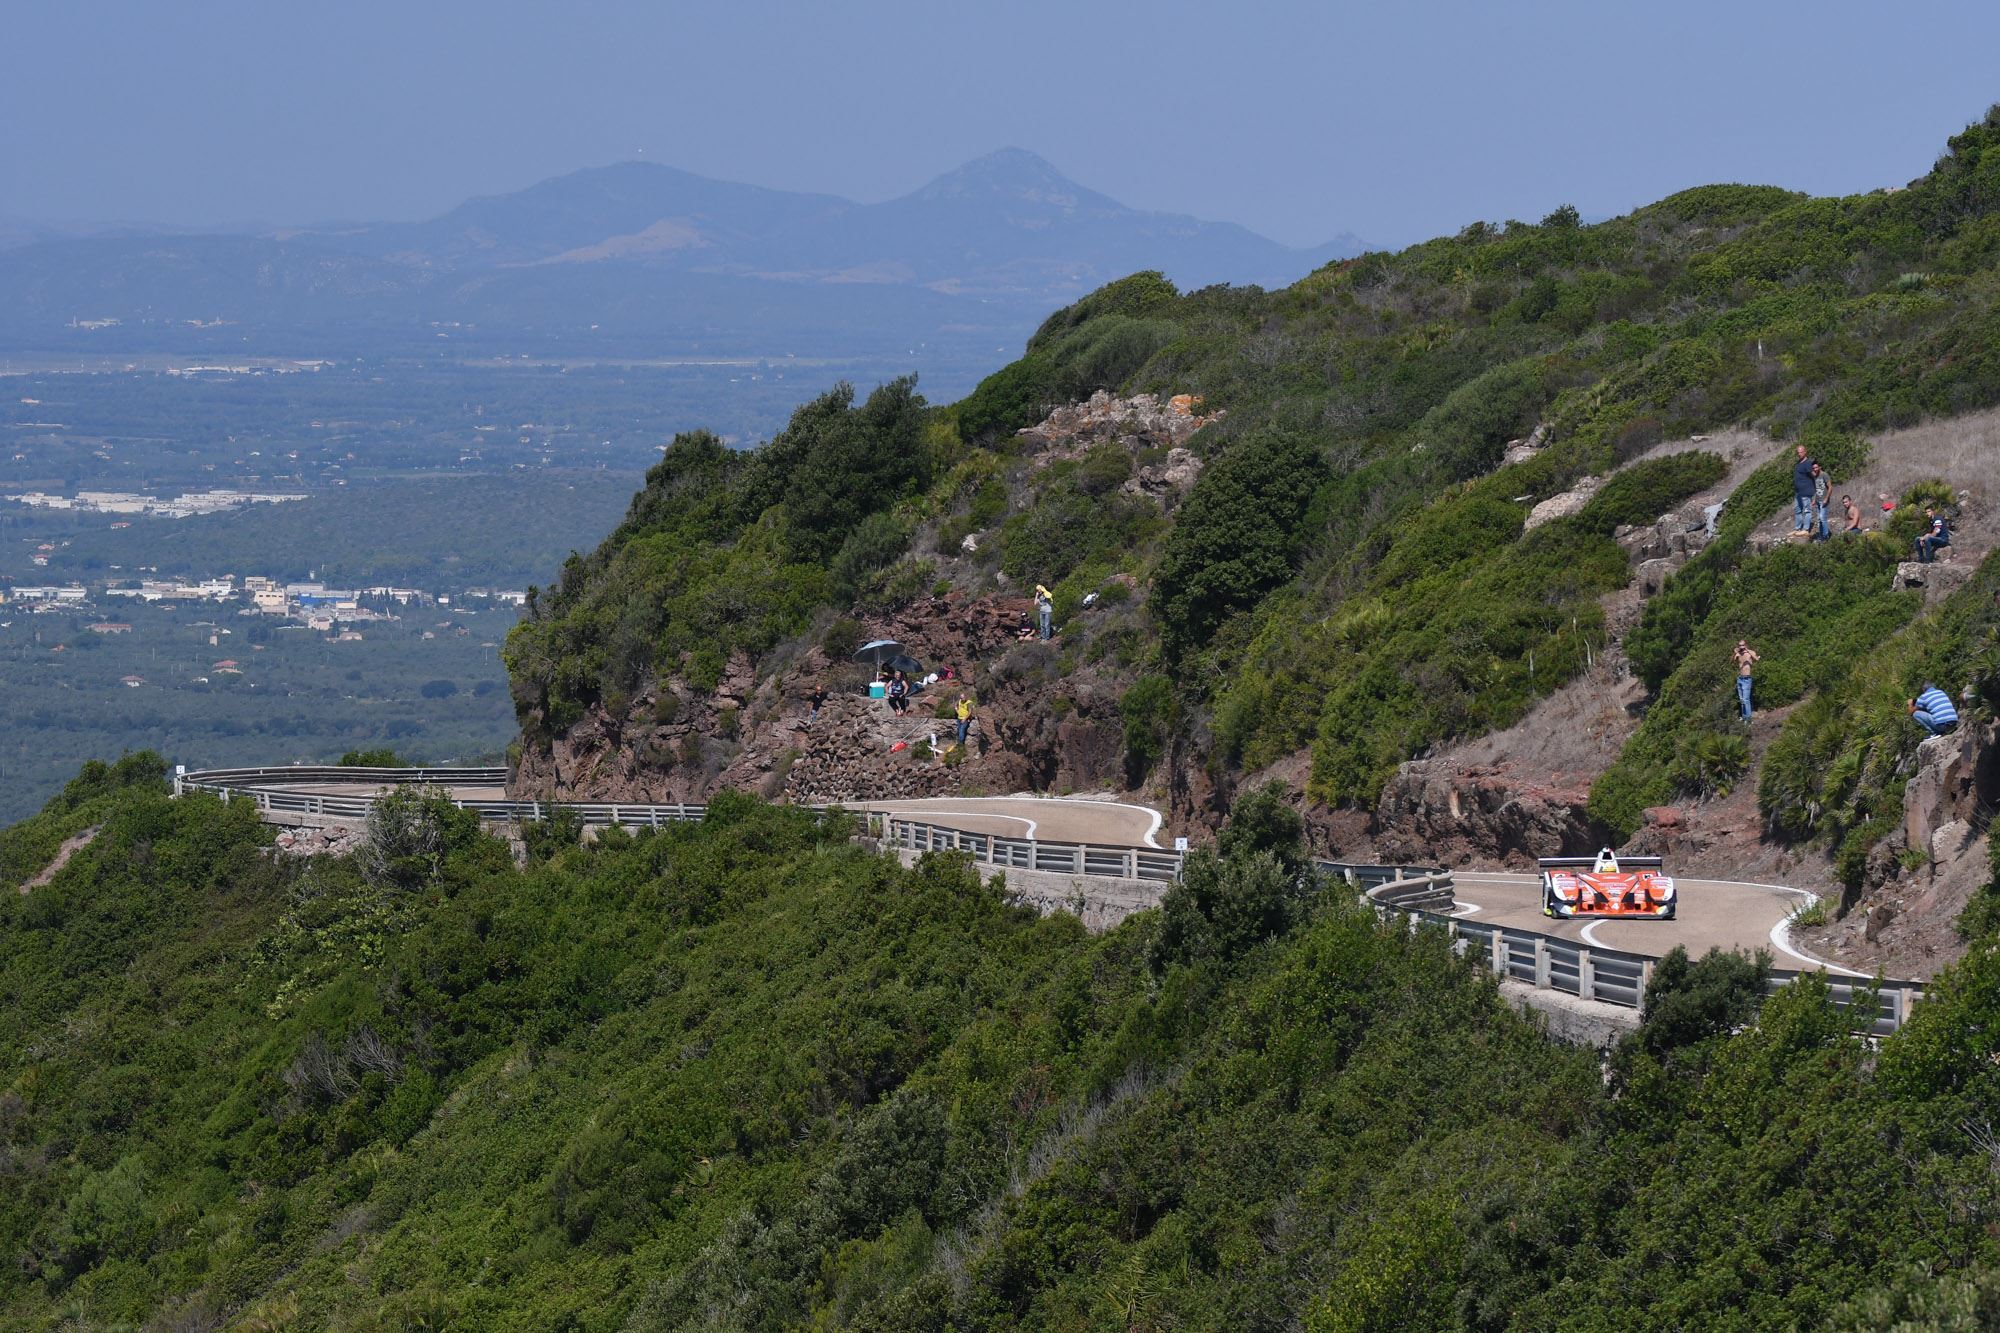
[1013, 173]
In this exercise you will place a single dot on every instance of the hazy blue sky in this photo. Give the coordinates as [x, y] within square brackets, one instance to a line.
[1300, 119]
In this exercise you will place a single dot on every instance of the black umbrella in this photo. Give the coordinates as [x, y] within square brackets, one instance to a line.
[879, 651]
[906, 664]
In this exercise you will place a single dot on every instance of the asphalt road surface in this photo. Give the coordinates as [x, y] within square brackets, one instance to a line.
[1712, 914]
[1049, 818]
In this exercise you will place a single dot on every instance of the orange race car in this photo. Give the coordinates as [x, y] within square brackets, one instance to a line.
[1605, 885]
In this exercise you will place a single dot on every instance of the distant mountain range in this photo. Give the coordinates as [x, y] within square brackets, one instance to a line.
[640, 254]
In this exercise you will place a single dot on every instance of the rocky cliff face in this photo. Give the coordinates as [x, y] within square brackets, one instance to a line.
[1920, 877]
[1447, 813]
[1038, 726]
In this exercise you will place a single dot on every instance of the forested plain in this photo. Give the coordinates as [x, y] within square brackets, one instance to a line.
[264, 692]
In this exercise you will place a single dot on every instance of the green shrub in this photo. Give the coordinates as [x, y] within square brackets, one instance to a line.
[1235, 537]
[1222, 907]
[1264, 822]
[875, 542]
[1150, 712]
[841, 639]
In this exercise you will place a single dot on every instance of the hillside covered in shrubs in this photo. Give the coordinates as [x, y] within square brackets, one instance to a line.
[752, 1073]
[1349, 580]
[748, 1074]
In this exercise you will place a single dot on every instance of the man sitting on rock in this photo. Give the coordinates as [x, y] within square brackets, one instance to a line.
[1853, 514]
[1935, 538]
[1932, 710]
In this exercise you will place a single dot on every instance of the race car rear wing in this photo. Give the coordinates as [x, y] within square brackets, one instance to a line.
[1624, 862]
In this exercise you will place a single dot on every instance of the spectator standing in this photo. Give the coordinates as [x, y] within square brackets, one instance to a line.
[1936, 537]
[816, 698]
[1746, 661]
[1933, 711]
[1853, 514]
[966, 703]
[1045, 610]
[1822, 495]
[1802, 491]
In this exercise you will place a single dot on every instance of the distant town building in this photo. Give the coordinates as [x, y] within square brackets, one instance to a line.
[110, 627]
[132, 682]
[130, 502]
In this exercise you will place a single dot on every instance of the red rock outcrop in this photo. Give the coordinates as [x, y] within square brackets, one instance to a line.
[1037, 727]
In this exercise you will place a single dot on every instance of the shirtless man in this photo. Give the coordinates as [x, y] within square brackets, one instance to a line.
[1746, 659]
[1853, 513]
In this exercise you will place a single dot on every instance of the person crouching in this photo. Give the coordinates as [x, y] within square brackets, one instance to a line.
[1933, 711]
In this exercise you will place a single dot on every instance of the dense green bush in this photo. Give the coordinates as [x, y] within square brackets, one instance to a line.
[371, 759]
[745, 1074]
[1237, 536]
[1149, 711]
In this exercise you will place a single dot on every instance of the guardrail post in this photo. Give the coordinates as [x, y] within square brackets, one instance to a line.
[1499, 951]
[1899, 1007]
[1541, 963]
[1586, 976]
[1131, 865]
[1645, 984]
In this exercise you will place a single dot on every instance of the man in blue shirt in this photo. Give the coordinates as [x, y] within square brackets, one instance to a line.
[1932, 710]
[1802, 491]
[1936, 536]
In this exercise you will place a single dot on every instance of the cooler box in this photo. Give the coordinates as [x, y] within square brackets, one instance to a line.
[877, 690]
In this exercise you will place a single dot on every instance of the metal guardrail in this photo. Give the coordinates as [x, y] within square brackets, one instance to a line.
[259, 785]
[1365, 877]
[1878, 1006]
[1107, 860]
[1422, 893]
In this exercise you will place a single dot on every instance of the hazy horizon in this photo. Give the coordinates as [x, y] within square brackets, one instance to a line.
[1299, 122]
[233, 225]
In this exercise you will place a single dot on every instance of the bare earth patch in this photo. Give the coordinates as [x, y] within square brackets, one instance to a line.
[70, 847]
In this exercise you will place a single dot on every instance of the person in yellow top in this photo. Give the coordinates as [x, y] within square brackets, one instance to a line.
[1045, 609]
[965, 706]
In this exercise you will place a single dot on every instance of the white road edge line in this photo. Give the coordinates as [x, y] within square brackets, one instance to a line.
[1154, 817]
[1780, 935]
[906, 812]
[1150, 837]
[1589, 934]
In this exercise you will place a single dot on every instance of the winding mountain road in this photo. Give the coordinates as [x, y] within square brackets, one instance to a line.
[1713, 914]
